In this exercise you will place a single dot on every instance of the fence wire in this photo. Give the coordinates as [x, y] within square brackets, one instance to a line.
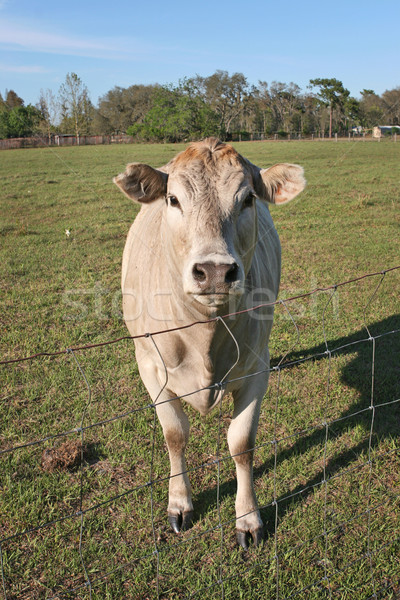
[272, 562]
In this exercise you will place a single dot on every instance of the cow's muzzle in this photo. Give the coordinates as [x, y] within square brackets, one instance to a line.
[215, 279]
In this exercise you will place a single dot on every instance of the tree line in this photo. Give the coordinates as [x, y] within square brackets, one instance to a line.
[221, 104]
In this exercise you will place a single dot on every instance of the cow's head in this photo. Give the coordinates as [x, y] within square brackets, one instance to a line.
[209, 227]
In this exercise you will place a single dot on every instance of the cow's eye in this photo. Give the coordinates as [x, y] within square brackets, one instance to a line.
[248, 201]
[173, 201]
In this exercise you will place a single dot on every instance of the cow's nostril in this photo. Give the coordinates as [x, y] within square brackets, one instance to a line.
[199, 273]
[232, 273]
[210, 275]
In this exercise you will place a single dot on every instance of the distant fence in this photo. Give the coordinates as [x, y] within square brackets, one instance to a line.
[246, 136]
[90, 140]
[64, 140]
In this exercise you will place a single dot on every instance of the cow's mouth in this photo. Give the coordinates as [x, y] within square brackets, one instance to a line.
[211, 300]
[214, 299]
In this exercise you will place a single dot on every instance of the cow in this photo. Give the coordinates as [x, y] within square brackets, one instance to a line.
[204, 246]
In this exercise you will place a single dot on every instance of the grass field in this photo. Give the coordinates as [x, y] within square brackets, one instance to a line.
[334, 532]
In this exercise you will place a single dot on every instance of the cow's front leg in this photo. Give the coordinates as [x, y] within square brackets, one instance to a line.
[241, 440]
[175, 426]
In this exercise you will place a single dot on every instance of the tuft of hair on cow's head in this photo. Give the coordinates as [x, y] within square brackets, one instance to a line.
[142, 183]
[281, 183]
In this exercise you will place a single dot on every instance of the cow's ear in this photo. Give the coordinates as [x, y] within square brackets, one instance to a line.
[281, 183]
[142, 183]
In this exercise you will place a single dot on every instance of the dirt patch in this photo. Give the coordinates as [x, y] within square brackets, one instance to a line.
[67, 456]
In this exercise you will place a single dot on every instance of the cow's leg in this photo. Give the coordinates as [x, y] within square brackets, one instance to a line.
[175, 426]
[241, 440]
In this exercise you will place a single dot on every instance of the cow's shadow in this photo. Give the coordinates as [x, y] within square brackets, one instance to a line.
[357, 373]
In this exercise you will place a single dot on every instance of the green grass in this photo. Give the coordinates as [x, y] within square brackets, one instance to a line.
[59, 292]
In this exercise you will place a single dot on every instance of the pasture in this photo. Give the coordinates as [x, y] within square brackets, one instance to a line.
[329, 494]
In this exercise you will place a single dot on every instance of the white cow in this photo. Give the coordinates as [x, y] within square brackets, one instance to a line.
[202, 246]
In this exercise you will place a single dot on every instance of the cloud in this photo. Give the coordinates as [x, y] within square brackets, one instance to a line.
[14, 36]
[25, 69]
[31, 36]
[24, 38]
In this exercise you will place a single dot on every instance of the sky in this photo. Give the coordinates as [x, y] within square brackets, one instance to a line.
[122, 43]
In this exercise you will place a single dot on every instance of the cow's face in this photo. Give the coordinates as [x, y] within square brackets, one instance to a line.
[209, 227]
[210, 218]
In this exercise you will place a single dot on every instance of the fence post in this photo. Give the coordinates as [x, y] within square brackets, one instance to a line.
[349, 136]
[395, 137]
[335, 137]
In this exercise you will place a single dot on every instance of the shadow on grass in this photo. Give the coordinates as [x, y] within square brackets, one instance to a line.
[356, 374]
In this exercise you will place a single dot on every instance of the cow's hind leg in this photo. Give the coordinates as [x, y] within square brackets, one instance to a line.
[175, 426]
[241, 440]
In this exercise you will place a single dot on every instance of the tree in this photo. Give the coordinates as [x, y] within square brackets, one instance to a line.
[122, 107]
[391, 105]
[227, 95]
[48, 107]
[77, 110]
[19, 121]
[13, 100]
[250, 118]
[3, 123]
[265, 106]
[177, 114]
[352, 111]
[285, 101]
[332, 94]
[371, 108]
[309, 116]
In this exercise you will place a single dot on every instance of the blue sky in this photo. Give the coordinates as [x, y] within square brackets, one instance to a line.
[122, 43]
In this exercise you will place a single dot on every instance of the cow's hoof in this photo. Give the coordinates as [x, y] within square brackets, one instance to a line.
[187, 520]
[174, 522]
[243, 536]
[181, 522]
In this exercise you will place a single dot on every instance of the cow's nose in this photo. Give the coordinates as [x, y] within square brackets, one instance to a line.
[210, 275]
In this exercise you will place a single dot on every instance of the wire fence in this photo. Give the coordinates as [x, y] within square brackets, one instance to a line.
[81, 517]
